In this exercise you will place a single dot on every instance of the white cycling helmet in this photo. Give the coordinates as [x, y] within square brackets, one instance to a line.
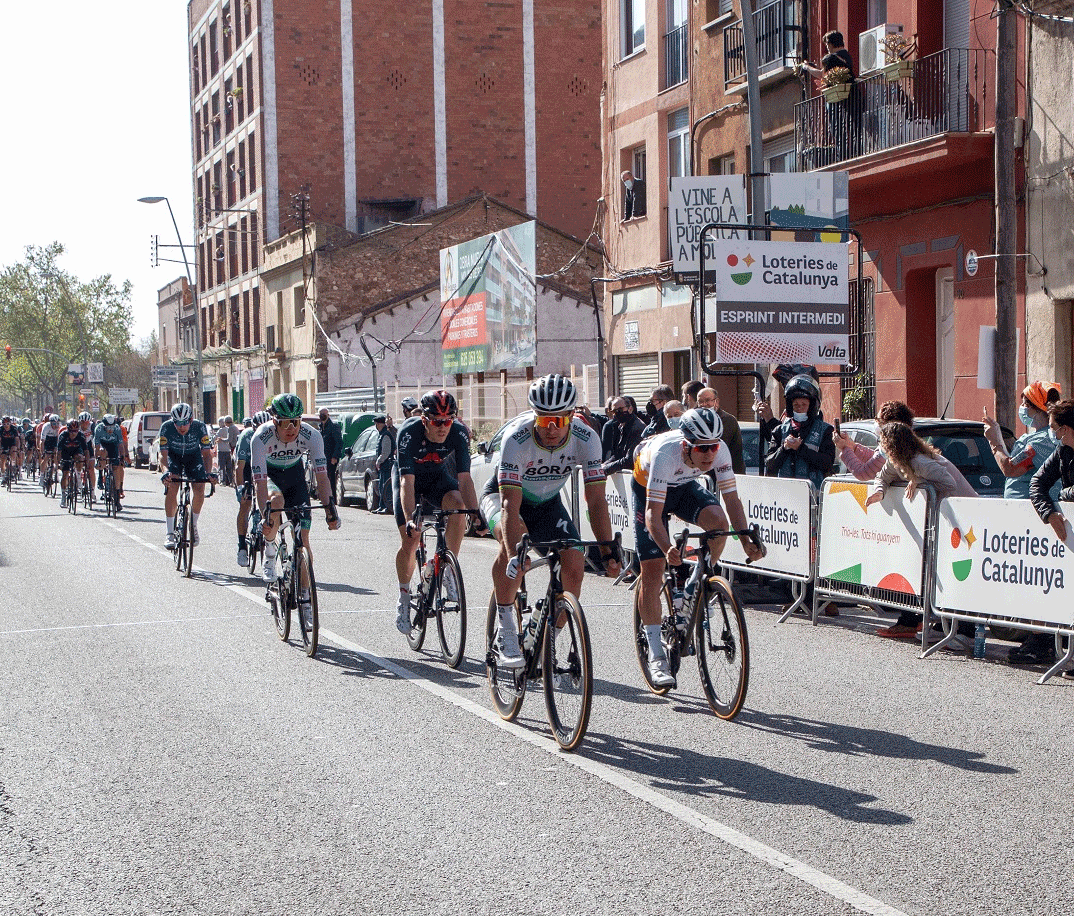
[702, 424]
[85, 417]
[54, 420]
[262, 416]
[109, 419]
[552, 394]
[181, 413]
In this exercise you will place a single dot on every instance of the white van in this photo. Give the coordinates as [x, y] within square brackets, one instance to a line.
[145, 427]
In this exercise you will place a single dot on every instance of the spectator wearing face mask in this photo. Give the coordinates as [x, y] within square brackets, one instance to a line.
[658, 423]
[802, 444]
[1032, 449]
[620, 436]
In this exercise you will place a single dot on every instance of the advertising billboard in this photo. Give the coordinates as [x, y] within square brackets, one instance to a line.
[488, 298]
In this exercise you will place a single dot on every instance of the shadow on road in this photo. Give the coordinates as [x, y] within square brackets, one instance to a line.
[685, 771]
[859, 742]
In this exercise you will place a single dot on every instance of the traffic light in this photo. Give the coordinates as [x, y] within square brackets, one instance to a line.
[7, 350]
[81, 399]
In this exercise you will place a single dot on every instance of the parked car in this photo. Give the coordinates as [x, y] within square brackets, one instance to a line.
[751, 438]
[962, 442]
[357, 476]
[144, 428]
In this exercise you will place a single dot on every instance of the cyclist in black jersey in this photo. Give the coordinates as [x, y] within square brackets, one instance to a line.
[432, 464]
[10, 443]
[72, 447]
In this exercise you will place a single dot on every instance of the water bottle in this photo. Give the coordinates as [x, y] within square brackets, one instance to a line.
[427, 573]
[529, 629]
[979, 641]
[677, 599]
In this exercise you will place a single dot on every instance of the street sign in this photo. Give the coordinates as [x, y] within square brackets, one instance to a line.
[95, 373]
[94, 403]
[123, 395]
[85, 391]
[972, 263]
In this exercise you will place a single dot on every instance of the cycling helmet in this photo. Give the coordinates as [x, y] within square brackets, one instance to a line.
[181, 413]
[409, 404]
[26, 422]
[552, 394]
[72, 423]
[287, 406]
[247, 422]
[54, 419]
[85, 417]
[439, 404]
[701, 424]
[109, 419]
[5, 419]
[802, 386]
[262, 416]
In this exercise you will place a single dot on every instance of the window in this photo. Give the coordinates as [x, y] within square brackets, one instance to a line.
[634, 197]
[778, 154]
[300, 306]
[722, 165]
[632, 18]
[679, 143]
[676, 45]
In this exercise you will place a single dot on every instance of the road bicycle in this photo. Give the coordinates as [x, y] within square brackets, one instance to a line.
[9, 474]
[70, 494]
[255, 540]
[436, 589]
[88, 492]
[111, 494]
[701, 616]
[555, 652]
[48, 476]
[29, 469]
[183, 550]
[293, 565]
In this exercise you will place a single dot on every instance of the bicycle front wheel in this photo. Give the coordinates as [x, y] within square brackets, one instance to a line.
[723, 648]
[641, 642]
[179, 550]
[451, 610]
[255, 544]
[281, 613]
[188, 541]
[72, 494]
[507, 685]
[416, 637]
[568, 672]
[308, 622]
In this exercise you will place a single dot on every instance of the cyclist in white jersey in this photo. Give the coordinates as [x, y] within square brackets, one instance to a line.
[540, 452]
[665, 482]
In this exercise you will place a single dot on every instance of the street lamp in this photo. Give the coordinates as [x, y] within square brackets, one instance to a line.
[198, 383]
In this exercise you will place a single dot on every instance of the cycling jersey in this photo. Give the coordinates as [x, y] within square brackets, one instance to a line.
[659, 466]
[103, 433]
[71, 445]
[242, 453]
[29, 438]
[541, 472]
[418, 455]
[270, 455]
[9, 438]
[183, 445]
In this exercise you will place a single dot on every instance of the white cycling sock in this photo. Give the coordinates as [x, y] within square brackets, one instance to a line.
[652, 634]
[171, 524]
[506, 615]
[194, 518]
[271, 548]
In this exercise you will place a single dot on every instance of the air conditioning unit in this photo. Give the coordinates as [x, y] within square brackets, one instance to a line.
[871, 54]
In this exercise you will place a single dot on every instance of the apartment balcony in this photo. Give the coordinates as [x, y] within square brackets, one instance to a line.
[948, 94]
[676, 57]
[776, 28]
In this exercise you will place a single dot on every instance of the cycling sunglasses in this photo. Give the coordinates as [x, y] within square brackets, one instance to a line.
[551, 422]
[441, 421]
[706, 448]
[292, 423]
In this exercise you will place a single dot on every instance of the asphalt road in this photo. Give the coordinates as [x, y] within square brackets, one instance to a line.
[162, 751]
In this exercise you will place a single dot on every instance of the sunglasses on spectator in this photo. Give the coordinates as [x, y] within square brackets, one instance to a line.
[292, 423]
[441, 421]
[551, 422]
[706, 448]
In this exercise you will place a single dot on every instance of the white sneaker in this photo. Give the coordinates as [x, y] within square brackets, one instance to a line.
[171, 540]
[197, 537]
[660, 672]
[243, 557]
[268, 570]
[508, 654]
[402, 613]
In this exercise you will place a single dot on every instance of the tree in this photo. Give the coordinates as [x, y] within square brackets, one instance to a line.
[51, 318]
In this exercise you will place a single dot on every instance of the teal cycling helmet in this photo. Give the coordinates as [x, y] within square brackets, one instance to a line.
[287, 407]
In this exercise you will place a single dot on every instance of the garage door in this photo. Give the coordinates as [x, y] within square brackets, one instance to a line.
[637, 376]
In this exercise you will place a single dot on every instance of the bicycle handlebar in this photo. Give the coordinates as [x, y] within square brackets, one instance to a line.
[566, 544]
[302, 508]
[753, 532]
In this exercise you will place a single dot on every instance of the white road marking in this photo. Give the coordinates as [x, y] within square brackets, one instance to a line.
[807, 874]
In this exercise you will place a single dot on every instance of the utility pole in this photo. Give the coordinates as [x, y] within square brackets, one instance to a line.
[1006, 355]
[753, 99]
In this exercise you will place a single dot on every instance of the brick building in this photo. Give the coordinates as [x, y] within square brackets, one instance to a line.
[382, 112]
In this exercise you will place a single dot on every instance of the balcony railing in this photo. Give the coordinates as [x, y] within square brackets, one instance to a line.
[774, 26]
[947, 93]
[676, 57]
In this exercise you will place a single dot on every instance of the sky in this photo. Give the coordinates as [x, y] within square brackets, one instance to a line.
[98, 114]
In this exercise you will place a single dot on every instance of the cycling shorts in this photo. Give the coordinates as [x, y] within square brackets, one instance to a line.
[427, 490]
[50, 444]
[547, 521]
[291, 484]
[686, 501]
[112, 450]
[190, 466]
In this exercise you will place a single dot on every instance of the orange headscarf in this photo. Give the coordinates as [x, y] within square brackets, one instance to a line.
[1037, 393]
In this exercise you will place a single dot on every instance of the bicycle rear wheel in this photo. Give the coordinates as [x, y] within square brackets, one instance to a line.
[188, 540]
[308, 624]
[179, 550]
[568, 672]
[278, 605]
[723, 648]
[641, 643]
[255, 547]
[507, 685]
[451, 611]
[418, 620]
[72, 493]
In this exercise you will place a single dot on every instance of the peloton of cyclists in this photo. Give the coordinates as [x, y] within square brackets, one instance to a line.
[540, 451]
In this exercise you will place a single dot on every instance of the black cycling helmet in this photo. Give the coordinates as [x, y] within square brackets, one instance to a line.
[439, 403]
[409, 405]
[287, 407]
[803, 386]
[701, 424]
[72, 423]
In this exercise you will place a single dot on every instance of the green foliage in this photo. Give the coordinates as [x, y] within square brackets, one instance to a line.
[857, 400]
[44, 308]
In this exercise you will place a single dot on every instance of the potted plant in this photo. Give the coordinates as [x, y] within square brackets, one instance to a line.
[237, 92]
[837, 84]
[857, 400]
[898, 51]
